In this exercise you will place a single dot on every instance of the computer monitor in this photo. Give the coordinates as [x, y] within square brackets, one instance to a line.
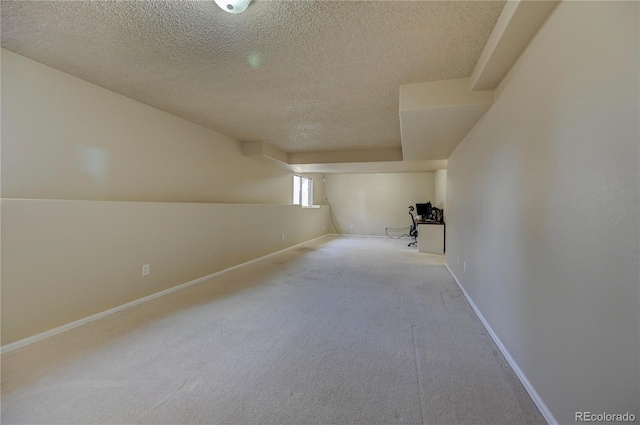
[424, 210]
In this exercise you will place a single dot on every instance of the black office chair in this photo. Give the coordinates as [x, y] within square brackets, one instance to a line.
[413, 231]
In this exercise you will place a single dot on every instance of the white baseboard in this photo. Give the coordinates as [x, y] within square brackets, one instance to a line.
[30, 340]
[523, 378]
[357, 235]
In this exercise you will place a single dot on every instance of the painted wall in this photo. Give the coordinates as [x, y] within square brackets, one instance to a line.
[66, 260]
[65, 138]
[543, 206]
[370, 202]
[441, 189]
[97, 165]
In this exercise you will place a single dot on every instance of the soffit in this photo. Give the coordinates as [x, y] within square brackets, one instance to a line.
[373, 167]
[436, 116]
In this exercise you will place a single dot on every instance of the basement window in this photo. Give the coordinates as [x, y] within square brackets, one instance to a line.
[302, 191]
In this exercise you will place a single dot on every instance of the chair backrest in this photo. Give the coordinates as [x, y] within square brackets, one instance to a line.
[414, 228]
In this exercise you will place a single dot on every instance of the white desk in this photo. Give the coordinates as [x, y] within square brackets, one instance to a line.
[431, 238]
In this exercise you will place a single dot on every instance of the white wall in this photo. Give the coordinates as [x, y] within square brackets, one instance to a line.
[441, 190]
[104, 162]
[66, 260]
[370, 202]
[543, 206]
[65, 138]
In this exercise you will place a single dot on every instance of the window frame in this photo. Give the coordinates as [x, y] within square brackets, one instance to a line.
[298, 197]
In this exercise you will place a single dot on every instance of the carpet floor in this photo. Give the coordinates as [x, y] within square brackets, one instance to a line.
[341, 330]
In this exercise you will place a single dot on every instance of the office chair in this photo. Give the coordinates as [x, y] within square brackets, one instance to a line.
[413, 231]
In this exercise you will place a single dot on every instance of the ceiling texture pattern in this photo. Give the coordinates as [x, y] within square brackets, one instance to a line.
[303, 76]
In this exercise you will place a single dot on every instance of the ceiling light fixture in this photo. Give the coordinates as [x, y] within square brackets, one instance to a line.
[233, 6]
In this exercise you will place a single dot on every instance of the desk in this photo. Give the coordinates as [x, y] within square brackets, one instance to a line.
[431, 237]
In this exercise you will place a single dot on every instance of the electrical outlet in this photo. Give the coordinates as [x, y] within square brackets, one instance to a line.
[145, 270]
[283, 236]
[464, 266]
[323, 227]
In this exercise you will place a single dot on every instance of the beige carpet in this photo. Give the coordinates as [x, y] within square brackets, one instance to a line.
[339, 331]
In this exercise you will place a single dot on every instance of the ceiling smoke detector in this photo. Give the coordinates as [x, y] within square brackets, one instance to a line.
[233, 6]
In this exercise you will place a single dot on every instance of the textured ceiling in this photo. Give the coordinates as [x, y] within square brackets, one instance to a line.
[300, 75]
